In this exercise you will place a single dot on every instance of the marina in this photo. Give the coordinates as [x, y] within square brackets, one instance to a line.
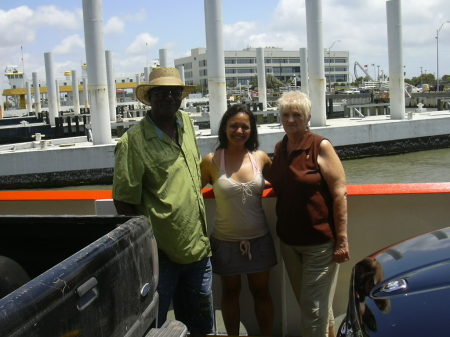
[57, 148]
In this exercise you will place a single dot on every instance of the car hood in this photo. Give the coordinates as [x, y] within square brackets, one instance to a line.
[404, 290]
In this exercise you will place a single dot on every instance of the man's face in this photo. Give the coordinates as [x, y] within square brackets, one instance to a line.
[165, 100]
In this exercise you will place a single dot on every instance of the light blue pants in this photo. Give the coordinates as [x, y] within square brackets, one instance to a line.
[313, 275]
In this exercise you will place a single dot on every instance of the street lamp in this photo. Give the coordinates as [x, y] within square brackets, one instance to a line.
[329, 64]
[437, 54]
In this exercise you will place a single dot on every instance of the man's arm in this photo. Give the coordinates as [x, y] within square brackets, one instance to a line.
[125, 208]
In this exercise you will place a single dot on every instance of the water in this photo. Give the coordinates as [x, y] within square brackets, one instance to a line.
[415, 167]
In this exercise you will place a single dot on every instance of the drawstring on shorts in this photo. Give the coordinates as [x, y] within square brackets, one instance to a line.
[244, 245]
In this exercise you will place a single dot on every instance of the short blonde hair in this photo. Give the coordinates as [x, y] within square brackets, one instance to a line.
[295, 99]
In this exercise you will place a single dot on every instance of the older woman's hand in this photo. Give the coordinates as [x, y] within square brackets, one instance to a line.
[341, 251]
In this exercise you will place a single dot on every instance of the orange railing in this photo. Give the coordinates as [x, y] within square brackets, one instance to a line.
[381, 189]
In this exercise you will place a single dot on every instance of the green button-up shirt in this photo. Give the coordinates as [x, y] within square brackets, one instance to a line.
[163, 180]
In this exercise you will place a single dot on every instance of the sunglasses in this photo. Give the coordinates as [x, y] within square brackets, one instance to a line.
[160, 92]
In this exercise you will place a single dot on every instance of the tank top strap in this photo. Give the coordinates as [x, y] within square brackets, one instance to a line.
[222, 160]
[255, 164]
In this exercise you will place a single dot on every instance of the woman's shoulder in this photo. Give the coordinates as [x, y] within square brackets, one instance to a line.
[262, 158]
[211, 159]
[260, 154]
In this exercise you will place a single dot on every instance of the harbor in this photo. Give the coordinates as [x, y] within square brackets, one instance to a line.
[57, 141]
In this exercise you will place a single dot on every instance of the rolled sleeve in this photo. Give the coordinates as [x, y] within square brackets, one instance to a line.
[128, 172]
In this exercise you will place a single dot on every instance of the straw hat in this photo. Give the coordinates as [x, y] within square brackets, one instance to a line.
[161, 77]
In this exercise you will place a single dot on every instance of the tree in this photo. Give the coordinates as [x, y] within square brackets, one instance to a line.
[232, 84]
[272, 82]
[446, 78]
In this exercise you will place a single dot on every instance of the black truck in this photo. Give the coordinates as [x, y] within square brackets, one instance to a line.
[70, 276]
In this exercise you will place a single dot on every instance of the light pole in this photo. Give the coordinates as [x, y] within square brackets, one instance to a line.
[329, 64]
[437, 54]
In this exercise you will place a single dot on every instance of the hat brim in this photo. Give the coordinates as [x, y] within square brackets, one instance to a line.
[143, 89]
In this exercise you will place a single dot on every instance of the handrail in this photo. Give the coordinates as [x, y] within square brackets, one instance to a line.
[353, 190]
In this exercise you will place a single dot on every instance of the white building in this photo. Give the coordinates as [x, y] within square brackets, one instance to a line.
[240, 66]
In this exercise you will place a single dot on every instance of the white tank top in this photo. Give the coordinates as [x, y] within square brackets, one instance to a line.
[239, 212]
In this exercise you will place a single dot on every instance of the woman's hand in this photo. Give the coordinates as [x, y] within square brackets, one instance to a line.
[341, 251]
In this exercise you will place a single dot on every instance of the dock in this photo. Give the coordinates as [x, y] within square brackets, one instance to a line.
[76, 161]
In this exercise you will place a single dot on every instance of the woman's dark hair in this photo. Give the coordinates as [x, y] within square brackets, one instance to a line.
[252, 143]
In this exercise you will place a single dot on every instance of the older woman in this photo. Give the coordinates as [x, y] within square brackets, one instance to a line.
[309, 180]
[241, 242]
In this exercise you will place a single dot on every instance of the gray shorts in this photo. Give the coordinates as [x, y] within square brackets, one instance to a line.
[228, 258]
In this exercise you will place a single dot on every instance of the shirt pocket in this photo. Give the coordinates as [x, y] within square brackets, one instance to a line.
[158, 172]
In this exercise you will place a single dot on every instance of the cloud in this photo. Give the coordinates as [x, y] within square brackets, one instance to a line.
[69, 45]
[14, 27]
[141, 44]
[53, 16]
[139, 16]
[114, 26]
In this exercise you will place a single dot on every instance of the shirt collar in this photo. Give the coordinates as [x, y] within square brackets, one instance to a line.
[151, 130]
[305, 144]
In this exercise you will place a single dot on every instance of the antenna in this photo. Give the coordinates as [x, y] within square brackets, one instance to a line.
[23, 64]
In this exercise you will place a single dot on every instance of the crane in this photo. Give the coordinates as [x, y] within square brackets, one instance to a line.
[364, 71]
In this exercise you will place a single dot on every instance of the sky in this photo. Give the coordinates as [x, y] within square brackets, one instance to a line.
[135, 30]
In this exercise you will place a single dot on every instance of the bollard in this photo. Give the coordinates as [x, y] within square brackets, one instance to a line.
[77, 125]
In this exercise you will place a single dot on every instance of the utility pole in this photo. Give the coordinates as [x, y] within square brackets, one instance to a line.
[437, 54]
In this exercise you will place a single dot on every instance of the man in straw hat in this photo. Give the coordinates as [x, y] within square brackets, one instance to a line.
[157, 174]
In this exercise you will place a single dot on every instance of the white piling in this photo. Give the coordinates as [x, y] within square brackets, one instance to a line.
[95, 58]
[261, 70]
[51, 90]
[111, 86]
[29, 99]
[37, 94]
[85, 92]
[216, 64]
[304, 70]
[317, 83]
[181, 71]
[146, 74]
[395, 52]
[58, 97]
[163, 60]
[75, 93]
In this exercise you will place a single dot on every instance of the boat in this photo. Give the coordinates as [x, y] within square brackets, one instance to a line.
[379, 215]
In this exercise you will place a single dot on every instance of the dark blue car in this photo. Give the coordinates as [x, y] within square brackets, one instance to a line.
[402, 290]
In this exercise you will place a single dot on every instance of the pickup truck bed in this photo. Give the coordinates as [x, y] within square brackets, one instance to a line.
[88, 276]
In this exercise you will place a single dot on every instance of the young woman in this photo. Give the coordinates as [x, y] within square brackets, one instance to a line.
[241, 242]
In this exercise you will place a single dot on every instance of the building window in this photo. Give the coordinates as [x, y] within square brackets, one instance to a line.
[245, 71]
[245, 60]
[203, 72]
[340, 61]
[230, 61]
[279, 60]
[294, 60]
[230, 71]
[188, 65]
[202, 63]
[188, 74]
[340, 78]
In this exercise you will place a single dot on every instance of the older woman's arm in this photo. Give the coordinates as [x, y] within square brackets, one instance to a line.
[333, 173]
[264, 162]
